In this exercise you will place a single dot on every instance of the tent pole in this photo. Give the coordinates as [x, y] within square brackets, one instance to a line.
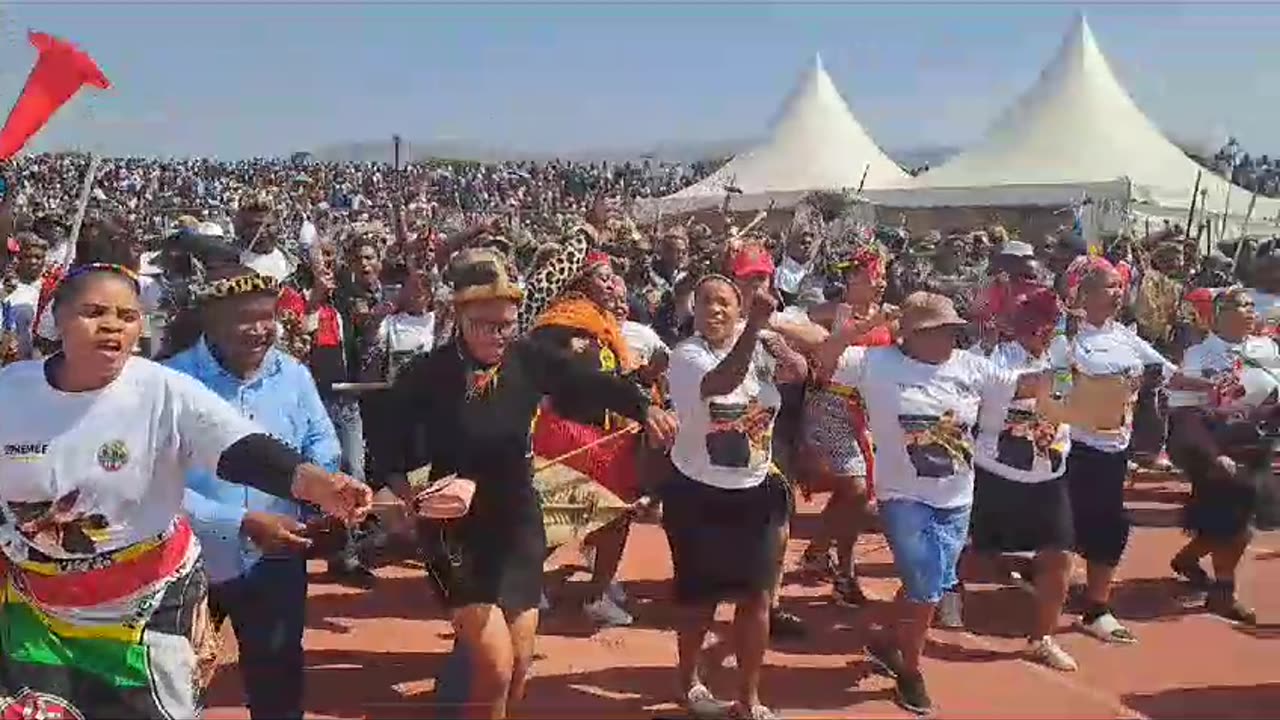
[1195, 195]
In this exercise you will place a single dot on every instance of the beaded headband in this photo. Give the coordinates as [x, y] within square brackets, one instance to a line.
[250, 284]
[112, 268]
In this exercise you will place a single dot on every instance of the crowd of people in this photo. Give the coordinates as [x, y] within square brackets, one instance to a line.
[288, 340]
[1257, 173]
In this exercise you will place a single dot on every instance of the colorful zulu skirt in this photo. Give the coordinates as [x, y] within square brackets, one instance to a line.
[111, 640]
[612, 463]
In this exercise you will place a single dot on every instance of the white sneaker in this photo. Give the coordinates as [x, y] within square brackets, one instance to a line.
[950, 613]
[606, 613]
[616, 593]
[700, 703]
[1047, 651]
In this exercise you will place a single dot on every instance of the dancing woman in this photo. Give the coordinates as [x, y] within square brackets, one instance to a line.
[1098, 463]
[837, 442]
[725, 505]
[580, 323]
[1020, 498]
[1224, 450]
[103, 586]
[468, 409]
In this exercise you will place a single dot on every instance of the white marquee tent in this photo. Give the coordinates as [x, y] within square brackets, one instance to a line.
[1077, 131]
[816, 144]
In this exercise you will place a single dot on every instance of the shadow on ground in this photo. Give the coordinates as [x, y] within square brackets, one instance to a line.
[1243, 702]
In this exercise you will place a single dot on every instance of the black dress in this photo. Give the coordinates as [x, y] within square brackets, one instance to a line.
[474, 421]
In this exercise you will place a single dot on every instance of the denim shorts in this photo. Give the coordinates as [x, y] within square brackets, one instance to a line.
[926, 543]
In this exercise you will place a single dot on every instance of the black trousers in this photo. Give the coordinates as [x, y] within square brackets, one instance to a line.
[267, 609]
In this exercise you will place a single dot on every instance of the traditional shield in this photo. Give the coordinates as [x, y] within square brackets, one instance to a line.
[573, 505]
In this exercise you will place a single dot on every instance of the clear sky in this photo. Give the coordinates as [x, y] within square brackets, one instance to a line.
[236, 79]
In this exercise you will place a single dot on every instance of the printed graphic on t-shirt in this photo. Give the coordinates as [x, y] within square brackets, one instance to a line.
[1026, 439]
[1227, 376]
[938, 445]
[58, 527]
[398, 361]
[739, 436]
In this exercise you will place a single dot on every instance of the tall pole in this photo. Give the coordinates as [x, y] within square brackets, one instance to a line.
[1195, 195]
[398, 225]
[86, 189]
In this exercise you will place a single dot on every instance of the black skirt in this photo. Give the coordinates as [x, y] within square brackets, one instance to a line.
[724, 543]
[1221, 509]
[1012, 516]
[1095, 482]
[487, 557]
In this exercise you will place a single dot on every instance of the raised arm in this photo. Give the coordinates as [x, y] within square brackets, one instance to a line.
[732, 370]
[845, 329]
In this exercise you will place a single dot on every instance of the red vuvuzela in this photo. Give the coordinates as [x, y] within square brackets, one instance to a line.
[60, 70]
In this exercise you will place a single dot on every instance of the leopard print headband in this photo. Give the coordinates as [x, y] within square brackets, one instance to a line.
[250, 284]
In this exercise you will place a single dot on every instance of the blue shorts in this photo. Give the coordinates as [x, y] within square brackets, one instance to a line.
[926, 543]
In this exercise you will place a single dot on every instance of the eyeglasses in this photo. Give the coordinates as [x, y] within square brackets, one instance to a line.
[493, 328]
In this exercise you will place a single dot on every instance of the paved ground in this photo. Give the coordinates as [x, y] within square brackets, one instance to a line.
[374, 654]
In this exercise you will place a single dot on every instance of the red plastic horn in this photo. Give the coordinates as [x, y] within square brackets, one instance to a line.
[60, 71]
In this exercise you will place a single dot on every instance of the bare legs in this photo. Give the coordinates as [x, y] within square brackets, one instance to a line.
[750, 638]
[499, 652]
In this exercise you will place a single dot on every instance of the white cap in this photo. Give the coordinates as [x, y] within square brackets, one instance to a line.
[210, 228]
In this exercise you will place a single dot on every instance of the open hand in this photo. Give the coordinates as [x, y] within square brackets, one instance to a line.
[275, 534]
[336, 494]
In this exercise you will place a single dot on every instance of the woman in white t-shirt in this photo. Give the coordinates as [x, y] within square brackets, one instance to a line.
[1225, 453]
[102, 566]
[922, 399]
[1102, 350]
[1020, 499]
[410, 331]
[724, 504]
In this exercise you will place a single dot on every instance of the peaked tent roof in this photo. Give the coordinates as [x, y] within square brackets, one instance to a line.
[1078, 125]
[815, 144]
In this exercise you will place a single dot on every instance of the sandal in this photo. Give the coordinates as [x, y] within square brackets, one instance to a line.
[755, 712]
[1108, 629]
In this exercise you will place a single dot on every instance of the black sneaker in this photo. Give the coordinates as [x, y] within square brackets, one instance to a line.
[848, 592]
[911, 694]
[357, 576]
[785, 626]
[885, 658]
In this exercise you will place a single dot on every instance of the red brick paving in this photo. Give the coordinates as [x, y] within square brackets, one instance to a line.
[374, 654]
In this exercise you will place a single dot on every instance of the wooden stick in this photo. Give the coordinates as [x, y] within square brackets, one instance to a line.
[82, 207]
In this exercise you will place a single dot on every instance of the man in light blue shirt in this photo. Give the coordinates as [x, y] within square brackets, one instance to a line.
[253, 543]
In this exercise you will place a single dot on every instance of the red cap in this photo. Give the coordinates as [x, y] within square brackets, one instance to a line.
[594, 259]
[751, 260]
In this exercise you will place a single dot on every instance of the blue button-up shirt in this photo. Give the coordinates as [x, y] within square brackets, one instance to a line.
[281, 397]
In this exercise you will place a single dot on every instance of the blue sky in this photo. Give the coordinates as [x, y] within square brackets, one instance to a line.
[245, 78]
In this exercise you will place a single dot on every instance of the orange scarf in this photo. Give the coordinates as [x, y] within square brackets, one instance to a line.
[580, 313]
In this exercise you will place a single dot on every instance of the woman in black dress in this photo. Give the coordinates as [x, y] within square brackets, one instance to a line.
[468, 408]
